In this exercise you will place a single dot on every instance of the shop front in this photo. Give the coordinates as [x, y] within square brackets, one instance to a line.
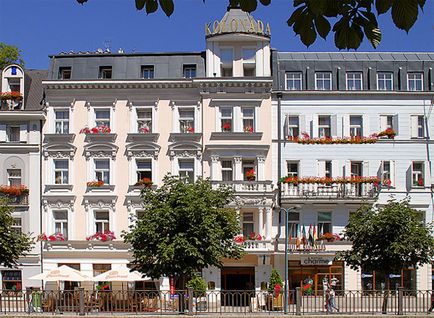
[377, 281]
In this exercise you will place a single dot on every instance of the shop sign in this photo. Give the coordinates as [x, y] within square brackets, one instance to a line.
[316, 260]
[237, 25]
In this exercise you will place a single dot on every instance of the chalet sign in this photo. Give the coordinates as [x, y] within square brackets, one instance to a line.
[316, 260]
[237, 26]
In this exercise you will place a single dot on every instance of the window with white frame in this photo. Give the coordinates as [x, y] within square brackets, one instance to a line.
[14, 84]
[186, 120]
[144, 169]
[415, 81]
[61, 223]
[248, 166]
[102, 117]
[324, 223]
[227, 170]
[186, 169]
[323, 81]
[102, 221]
[61, 121]
[102, 170]
[226, 62]
[294, 223]
[354, 81]
[328, 169]
[17, 225]
[292, 168]
[417, 174]
[293, 81]
[324, 126]
[226, 119]
[417, 126]
[386, 121]
[61, 171]
[386, 173]
[13, 133]
[356, 126]
[248, 119]
[385, 81]
[248, 224]
[249, 61]
[144, 120]
[148, 71]
[293, 127]
[189, 70]
[14, 177]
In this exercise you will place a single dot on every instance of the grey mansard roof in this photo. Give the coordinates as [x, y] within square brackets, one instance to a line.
[357, 56]
[33, 88]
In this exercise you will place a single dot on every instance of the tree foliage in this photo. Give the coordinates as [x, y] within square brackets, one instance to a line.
[12, 243]
[350, 20]
[10, 54]
[388, 238]
[186, 227]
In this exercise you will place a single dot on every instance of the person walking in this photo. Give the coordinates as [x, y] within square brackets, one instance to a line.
[331, 298]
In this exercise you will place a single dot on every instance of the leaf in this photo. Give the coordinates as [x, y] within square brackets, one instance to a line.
[373, 34]
[167, 6]
[151, 6]
[265, 2]
[317, 7]
[322, 26]
[346, 36]
[140, 4]
[404, 13]
[81, 1]
[295, 16]
[248, 5]
[383, 6]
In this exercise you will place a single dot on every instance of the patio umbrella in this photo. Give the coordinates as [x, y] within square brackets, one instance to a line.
[120, 274]
[62, 274]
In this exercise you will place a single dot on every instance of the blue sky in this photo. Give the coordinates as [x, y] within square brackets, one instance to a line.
[43, 27]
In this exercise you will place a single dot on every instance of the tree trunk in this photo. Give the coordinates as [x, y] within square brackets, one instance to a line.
[385, 296]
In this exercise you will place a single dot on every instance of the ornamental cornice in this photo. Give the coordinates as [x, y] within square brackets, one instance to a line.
[143, 154]
[185, 154]
[119, 84]
[133, 205]
[67, 154]
[259, 200]
[108, 202]
[100, 154]
[66, 202]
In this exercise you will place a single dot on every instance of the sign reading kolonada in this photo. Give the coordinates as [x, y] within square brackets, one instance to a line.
[237, 25]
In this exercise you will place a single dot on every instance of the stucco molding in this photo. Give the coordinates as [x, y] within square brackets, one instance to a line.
[58, 202]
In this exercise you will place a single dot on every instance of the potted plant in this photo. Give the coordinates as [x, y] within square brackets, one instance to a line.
[248, 129]
[226, 126]
[145, 181]
[95, 184]
[144, 130]
[274, 299]
[190, 130]
[101, 129]
[255, 237]
[250, 175]
[199, 292]
[389, 133]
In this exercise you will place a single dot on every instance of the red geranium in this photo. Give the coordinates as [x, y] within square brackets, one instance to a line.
[226, 126]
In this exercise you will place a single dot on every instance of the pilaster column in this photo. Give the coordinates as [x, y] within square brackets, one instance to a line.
[260, 174]
[238, 168]
[261, 221]
[214, 168]
[268, 223]
[237, 210]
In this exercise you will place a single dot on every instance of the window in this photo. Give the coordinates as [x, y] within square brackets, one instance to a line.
[226, 119]
[98, 269]
[102, 117]
[324, 223]
[144, 120]
[328, 169]
[227, 170]
[102, 221]
[17, 225]
[144, 169]
[189, 71]
[248, 224]
[354, 81]
[386, 175]
[384, 81]
[13, 133]
[415, 81]
[12, 280]
[186, 120]
[64, 73]
[323, 81]
[105, 72]
[186, 169]
[356, 169]
[248, 119]
[61, 121]
[293, 81]
[293, 127]
[292, 167]
[293, 223]
[102, 170]
[249, 60]
[61, 175]
[14, 177]
[356, 126]
[61, 223]
[148, 71]
[387, 121]
[324, 129]
[417, 126]
[226, 61]
[248, 165]
[417, 174]
[14, 84]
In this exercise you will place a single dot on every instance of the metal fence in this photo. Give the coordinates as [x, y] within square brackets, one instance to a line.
[84, 302]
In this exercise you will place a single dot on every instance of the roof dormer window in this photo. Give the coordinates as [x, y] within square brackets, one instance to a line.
[249, 62]
[64, 73]
[105, 72]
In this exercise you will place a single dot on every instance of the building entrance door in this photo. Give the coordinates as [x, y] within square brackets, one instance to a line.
[238, 285]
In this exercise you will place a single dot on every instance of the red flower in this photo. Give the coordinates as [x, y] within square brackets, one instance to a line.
[190, 129]
[420, 182]
[277, 289]
[227, 126]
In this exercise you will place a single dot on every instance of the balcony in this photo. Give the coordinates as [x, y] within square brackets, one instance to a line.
[236, 135]
[245, 186]
[11, 104]
[335, 191]
[255, 246]
[22, 199]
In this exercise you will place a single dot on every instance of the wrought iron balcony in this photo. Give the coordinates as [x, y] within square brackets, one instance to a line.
[245, 186]
[332, 191]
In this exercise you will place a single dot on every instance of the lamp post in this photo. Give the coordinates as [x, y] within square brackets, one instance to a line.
[285, 288]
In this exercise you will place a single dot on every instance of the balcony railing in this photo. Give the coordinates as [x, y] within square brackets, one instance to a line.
[258, 246]
[22, 199]
[11, 104]
[332, 191]
[246, 186]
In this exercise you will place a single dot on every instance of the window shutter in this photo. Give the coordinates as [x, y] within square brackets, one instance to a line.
[366, 131]
[395, 123]
[383, 122]
[408, 175]
[392, 173]
[302, 123]
[314, 130]
[347, 168]
[285, 127]
[334, 125]
[426, 178]
[2, 132]
[365, 168]
[380, 170]
[413, 123]
[346, 126]
[321, 168]
[336, 171]
[23, 132]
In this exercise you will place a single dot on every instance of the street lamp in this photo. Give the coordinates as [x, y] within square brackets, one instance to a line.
[285, 288]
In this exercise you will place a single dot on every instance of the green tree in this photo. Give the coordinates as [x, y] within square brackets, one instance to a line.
[13, 244]
[186, 227]
[387, 239]
[198, 285]
[349, 20]
[10, 54]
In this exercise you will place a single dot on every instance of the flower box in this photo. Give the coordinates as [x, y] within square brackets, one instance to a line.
[95, 184]
[52, 238]
[95, 130]
[103, 237]
[145, 182]
[329, 237]
[389, 133]
[14, 191]
[307, 140]
[255, 237]
[11, 95]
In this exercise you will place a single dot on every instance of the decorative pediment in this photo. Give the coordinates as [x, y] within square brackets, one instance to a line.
[142, 150]
[64, 150]
[97, 150]
[133, 204]
[64, 202]
[185, 150]
[99, 202]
